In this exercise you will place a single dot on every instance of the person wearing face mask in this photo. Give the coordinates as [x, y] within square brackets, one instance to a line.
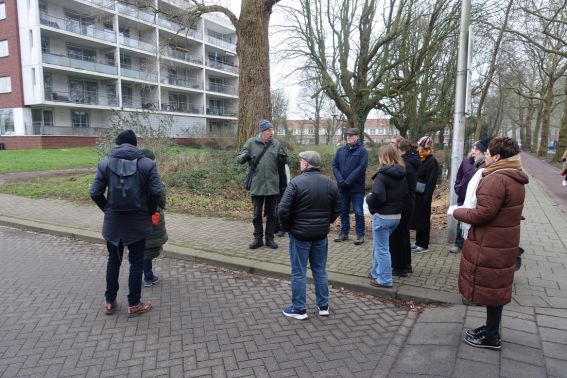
[488, 259]
[265, 156]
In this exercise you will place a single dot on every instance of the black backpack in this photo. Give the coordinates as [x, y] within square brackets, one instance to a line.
[124, 191]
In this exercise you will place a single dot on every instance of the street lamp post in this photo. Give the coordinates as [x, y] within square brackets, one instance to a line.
[334, 121]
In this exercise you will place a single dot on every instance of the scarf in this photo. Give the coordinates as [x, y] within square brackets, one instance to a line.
[470, 198]
[513, 162]
[424, 153]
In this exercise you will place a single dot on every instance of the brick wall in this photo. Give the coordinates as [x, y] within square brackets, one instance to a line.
[11, 65]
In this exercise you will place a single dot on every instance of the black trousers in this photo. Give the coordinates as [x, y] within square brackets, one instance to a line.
[400, 246]
[270, 203]
[422, 233]
[493, 318]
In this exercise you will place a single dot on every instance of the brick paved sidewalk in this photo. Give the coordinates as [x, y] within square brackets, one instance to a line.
[541, 281]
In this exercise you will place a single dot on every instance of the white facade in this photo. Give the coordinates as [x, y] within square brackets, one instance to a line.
[83, 59]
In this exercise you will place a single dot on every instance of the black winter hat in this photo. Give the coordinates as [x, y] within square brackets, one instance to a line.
[482, 145]
[127, 136]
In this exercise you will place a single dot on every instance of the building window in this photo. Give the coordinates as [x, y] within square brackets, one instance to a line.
[127, 97]
[81, 53]
[125, 61]
[33, 76]
[31, 38]
[4, 48]
[2, 11]
[48, 86]
[80, 118]
[44, 45]
[6, 120]
[42, 117]
[83, 91]
[5, 84]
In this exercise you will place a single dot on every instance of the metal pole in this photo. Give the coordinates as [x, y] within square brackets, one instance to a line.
[459, 117]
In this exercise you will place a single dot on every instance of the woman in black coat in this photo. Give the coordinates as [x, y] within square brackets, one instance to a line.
[426, 182]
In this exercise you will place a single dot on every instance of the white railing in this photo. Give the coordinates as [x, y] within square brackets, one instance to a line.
[137, 44]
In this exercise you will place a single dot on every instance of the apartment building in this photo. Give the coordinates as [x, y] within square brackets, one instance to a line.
[67, 65]
[331, 131]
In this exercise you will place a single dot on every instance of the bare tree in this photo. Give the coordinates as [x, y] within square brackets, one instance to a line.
[356, 55]
[280, 104]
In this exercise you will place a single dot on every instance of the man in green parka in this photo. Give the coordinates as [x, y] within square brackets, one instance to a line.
[268, 157]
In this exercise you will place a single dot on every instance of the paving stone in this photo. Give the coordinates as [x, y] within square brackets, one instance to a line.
[516, 369]
[435, 334]
[556, 368]
[553, 335]
[555, 350]
[530, 355]
[474, 369]
[454, 314]
[425, 360]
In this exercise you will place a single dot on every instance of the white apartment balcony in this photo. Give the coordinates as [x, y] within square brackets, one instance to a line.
[109, 4]
[85, 98]
[139, 75]
[182, 107]
[135, 12]
[181, 55]
[64, 61]
[77, 27]
[39, 129]
[137, 44]
[221, 43]
[220, 111]
[222, 88]
[191, 84]
[179, 29]
[146, 103]
[221, 66]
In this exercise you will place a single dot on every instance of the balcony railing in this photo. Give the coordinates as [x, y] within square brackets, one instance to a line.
[181, 55]
[181, 107]
[62, 60]
[221, 43]
[39, 129]
[140, 75]
[192, 84]
[178, 28]
[87, 98]
[139, 103]
[135, 12]
[222, 88]
[137, 44]
[214, 110]
[221, 66]
[78, 27]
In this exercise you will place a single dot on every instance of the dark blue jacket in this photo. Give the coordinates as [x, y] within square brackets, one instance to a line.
[309, 205]
[127, 226]
[349, 167]
[466, 171]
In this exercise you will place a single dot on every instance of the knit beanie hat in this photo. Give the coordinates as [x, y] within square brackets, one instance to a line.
[311, 157]
[265, 125]
[482, 145]
[127, 136]
[425, 142]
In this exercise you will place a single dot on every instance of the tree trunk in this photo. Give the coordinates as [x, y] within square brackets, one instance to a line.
[547, 105]
[253, 50]
[527, 134]
[535, 137]
[562, 138]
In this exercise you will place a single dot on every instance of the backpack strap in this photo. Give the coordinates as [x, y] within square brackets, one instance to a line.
[253, 166]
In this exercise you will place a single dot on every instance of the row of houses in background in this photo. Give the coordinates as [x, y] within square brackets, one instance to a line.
[331, 132]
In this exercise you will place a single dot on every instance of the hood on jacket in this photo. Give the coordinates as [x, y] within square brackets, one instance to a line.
[515, 174]
[126, 151]
[411, 158]
[397, 172]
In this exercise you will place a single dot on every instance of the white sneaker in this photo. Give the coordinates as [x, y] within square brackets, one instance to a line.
[419, 249]
[454, 249]
[323, 310]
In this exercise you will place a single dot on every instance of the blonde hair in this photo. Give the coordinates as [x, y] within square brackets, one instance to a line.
[388, 155]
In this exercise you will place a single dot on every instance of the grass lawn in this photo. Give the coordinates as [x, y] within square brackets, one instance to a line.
[40, 160]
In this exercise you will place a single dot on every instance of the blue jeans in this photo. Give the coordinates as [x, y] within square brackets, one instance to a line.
[314, 252]
[136, 259]
[357, 200]
[148, 273]
[381, 259]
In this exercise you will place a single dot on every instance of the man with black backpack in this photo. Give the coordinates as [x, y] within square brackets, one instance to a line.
[266, 159]
[133, 188]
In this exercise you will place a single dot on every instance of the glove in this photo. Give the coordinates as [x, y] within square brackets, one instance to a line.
[155, 218]
[451, 209]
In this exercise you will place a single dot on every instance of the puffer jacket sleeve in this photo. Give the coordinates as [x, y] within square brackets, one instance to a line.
[489, 203]
[285, 207]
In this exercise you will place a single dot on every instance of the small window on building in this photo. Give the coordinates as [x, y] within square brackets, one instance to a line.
[5, 84]
[4, 48]
[2, 11]
[33, 76]
[31, 38]
[6, 121]
[80, 118]
[44, 45]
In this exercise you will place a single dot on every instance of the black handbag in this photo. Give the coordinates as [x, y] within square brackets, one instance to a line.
[252, 169]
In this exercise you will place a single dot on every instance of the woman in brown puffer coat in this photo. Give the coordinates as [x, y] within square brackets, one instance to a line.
[489, 253]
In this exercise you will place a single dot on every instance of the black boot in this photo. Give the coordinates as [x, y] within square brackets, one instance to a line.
[271, 243]
[256, 243]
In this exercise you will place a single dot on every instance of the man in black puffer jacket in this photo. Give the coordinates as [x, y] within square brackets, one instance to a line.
[126, 227]
[308, 207]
